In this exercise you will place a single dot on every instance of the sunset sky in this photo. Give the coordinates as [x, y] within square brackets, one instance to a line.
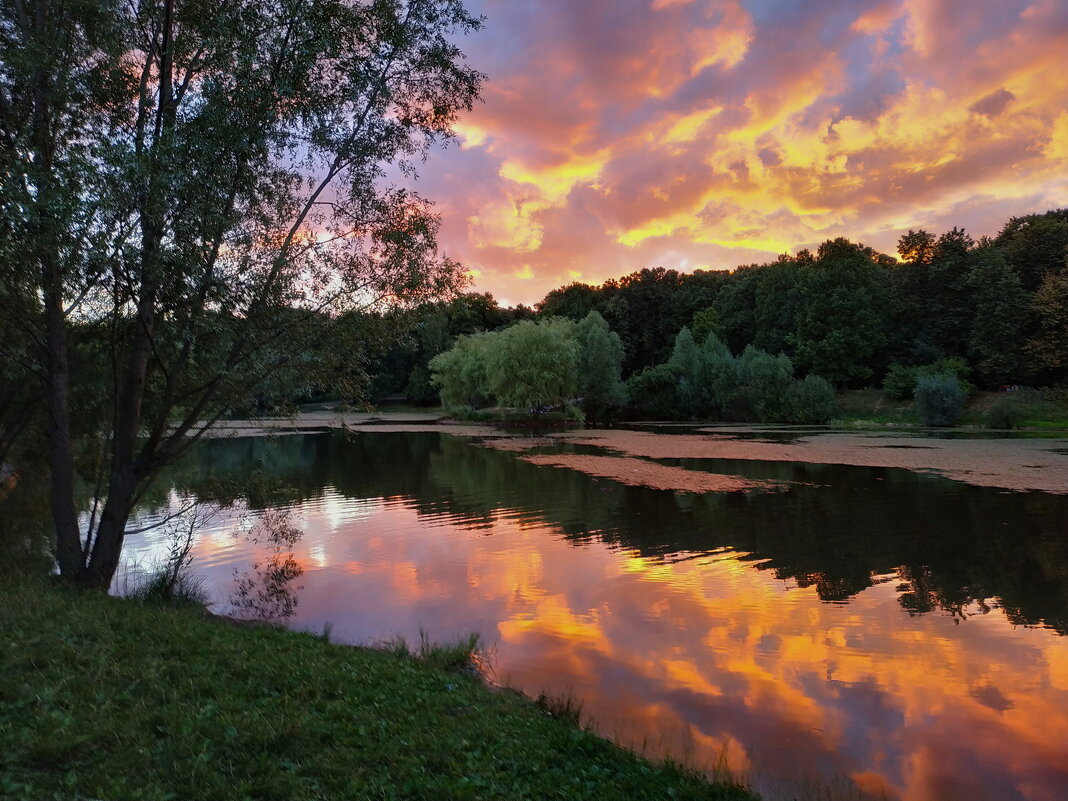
[621, 134]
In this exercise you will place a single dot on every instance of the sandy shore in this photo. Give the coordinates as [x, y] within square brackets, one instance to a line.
[643, 473]
[1013, 464]
[1016, 464]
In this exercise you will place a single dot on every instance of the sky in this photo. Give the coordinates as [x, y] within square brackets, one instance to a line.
[703, 134]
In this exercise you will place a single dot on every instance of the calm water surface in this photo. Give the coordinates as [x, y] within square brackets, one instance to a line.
[870, 633]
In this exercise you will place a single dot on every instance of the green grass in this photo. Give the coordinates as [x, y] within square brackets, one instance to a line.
[116, 699]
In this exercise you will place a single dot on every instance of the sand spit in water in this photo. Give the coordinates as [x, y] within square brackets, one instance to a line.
[1015, 464]
[643, 473]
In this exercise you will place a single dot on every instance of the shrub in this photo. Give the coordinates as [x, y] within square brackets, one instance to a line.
[810, 401]
[939, 399]
[1005, 413]
[900, 382]
[653, 393]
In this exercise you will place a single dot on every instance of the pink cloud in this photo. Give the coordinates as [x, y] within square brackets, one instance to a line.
[619, 135]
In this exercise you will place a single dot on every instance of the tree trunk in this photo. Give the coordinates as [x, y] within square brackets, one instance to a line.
[107, 546]
[57, 391]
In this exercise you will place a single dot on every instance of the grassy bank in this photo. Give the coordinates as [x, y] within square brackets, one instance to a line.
[106, 698]
[1039, 410]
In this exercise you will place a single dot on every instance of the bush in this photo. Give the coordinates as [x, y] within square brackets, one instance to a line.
[1005, 413]
[900, 382]
[653, 393]
[810, 401]
[939, 399]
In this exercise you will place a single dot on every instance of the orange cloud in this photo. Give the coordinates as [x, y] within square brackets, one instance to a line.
[618, 135]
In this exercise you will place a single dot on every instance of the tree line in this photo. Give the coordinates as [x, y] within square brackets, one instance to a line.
[990, 312]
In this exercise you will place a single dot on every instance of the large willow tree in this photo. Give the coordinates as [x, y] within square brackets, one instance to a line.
[189, 188]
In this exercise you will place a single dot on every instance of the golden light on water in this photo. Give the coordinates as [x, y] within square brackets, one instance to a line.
[709, 656]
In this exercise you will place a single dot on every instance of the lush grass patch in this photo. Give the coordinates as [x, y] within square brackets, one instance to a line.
[116, 699]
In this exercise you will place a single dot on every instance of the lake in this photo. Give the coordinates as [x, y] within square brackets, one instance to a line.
[825, 630]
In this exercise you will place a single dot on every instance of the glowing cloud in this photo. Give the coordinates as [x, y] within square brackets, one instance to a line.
[704, 133]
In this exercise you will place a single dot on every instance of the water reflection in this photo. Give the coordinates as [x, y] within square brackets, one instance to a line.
[861, 630]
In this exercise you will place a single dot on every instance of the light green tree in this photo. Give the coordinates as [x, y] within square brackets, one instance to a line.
[532, 365]
[599, 368]
[462, 372]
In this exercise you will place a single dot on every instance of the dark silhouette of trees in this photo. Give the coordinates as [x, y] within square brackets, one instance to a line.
[189, 191]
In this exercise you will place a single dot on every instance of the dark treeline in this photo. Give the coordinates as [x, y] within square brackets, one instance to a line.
[846, 312]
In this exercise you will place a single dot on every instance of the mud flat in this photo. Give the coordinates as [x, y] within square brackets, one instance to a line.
[1013, 464]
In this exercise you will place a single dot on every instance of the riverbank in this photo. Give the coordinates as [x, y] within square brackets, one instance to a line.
[111, 698]
[981, 458]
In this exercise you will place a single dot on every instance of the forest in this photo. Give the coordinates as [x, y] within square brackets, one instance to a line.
[989, 313]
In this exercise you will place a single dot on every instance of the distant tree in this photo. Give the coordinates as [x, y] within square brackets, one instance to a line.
[705, 323]
[1048, 349]
[776, 302]
[949, 306]
[599, 367]
[1001, 316]
[735, 305]
[809, 402]
[840, 326]
[462, 372]
[686, 363]
[652, 393]
[573, 301]
[640, 308]
[1034, 245]
[534, 364]
[764, 382]
[939, 399]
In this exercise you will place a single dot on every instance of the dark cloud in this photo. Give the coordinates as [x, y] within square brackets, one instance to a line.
[993, 104]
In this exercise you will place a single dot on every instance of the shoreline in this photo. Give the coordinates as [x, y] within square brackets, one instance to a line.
[1023, 464]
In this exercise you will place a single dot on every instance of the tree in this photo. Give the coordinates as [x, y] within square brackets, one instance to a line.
[1048, 348]
[462, 372]
[534, 364]
[573, 301]
[196, 184]
[840, 325]
[599, 367]
[1001, 315]
[686, 362]
[939, 399]
[1034, 245]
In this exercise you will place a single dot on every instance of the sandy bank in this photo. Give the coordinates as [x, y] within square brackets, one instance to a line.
[1016, 464]
[642, 473]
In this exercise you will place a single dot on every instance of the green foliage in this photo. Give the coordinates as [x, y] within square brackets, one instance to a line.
[1047, 350]
[531, 365]
[764, 382]
[1005, 414]
[1034, 245]
[175, 695]
[686, 362]
[599, 368]
[462, 372]
[810, 402]
[900, 381]
[653, 393]
[706, 323]
[1001, 315]
[939, 399]
[840, 325]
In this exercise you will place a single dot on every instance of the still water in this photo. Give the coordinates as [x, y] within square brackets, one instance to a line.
[869, 633]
